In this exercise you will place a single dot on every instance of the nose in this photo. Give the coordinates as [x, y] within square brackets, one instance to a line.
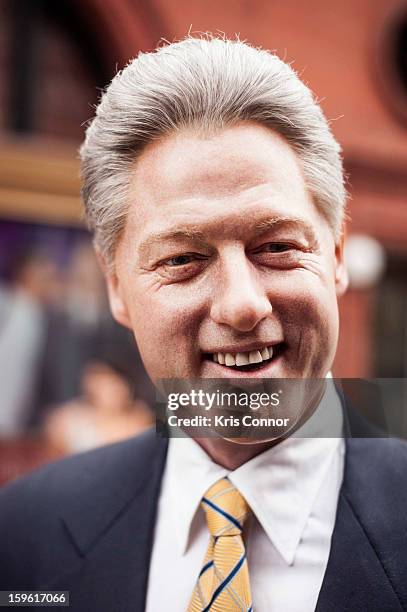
[239, 301]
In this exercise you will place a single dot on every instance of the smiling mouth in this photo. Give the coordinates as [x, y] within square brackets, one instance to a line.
[247, 361]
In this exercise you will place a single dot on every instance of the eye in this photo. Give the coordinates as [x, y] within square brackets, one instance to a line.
[274, 247]
[182, 267]
[179, 260]
[278, 255]
[277, 247]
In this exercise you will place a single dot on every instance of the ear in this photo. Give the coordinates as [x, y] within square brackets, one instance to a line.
[117, 302]
[341, 272]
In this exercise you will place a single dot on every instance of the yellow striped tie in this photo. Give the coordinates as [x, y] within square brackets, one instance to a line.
[223, 583]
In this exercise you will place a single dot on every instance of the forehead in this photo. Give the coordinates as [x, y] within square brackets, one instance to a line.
[217, 181]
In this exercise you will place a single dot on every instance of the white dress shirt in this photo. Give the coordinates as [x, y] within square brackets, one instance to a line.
[293, 491]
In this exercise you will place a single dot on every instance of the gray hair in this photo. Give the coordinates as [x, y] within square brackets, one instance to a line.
[205, 83]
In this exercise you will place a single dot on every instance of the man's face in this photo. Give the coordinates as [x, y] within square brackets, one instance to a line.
[225, 255]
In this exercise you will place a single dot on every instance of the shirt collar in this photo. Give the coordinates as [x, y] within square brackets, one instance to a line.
[280, 485]
[190, 472]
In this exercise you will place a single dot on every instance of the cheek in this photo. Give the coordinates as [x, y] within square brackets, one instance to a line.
[306, 305]
[165, 323]
[165, 312]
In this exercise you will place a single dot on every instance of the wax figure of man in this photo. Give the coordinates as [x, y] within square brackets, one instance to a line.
[214, 189]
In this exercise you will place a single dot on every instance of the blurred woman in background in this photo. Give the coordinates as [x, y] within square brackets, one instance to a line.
[105, 412]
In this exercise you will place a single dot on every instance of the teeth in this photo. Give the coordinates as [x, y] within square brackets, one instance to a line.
[229, 359]
[255, 357]
[243, 359]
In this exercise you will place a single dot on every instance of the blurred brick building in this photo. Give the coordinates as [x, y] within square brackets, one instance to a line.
[54, 57]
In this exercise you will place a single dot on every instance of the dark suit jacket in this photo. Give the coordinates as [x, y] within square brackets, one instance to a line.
[85, 524]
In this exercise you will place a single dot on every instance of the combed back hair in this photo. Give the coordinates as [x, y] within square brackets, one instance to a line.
[207, 83]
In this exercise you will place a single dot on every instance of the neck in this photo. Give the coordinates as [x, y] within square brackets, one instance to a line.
[232, 453]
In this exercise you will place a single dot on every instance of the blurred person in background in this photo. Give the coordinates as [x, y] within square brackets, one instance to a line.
[105, 412]
[54, 322]
[34, 286]
[81, 331]
[85, 298]
[74, 326]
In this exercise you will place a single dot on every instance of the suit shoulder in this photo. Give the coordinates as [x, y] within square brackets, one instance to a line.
[35, 542]
[48, 489]
[381, 459]
[376, 488]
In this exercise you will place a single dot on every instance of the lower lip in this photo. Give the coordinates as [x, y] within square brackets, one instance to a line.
[215, 370]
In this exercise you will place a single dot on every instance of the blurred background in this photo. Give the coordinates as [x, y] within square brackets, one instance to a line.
[70, 378]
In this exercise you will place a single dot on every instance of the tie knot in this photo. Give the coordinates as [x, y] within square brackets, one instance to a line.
[226, 509]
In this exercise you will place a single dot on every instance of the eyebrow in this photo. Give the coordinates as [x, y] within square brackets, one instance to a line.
[196, 233]
[295, 222]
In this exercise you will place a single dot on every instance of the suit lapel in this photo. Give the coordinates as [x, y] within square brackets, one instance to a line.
[355, 578]
[116, 546]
